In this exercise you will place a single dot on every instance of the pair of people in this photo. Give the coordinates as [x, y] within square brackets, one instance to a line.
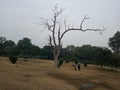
[76, 66]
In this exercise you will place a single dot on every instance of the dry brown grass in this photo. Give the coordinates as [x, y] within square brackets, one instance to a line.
[41, 75]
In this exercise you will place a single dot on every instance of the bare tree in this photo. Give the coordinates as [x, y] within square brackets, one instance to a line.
[58, 29]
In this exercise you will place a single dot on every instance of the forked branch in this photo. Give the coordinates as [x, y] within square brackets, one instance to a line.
[80, 29]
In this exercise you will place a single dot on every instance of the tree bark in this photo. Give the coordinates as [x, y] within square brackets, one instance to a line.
[56, 60]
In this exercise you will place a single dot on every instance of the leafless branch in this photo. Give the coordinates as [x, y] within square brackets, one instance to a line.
[56, 11]
[80, 29]
[59, 29]
[83, 21]
[50, 43]
[45, 22]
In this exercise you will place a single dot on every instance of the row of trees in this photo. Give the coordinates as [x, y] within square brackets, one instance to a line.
[85, 54]
[23, 48]
[92, 55]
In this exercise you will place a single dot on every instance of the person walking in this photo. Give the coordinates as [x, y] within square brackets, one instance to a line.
[75, 66]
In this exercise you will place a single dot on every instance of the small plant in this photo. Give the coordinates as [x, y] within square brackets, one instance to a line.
[75, 60]
[85, 64]
[13, 59]
[60, 63]
[67, 61]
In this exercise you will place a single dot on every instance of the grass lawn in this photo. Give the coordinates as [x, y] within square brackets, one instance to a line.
[41, 75]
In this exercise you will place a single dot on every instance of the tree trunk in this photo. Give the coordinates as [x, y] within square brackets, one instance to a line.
[56, 60]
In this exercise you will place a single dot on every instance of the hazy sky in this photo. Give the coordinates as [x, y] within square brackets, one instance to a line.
[18, 19]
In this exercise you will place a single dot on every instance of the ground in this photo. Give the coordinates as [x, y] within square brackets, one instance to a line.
[42, 75]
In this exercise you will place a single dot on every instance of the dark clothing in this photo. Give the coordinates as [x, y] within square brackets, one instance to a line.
[78, 66]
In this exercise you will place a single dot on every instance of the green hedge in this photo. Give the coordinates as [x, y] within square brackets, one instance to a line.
[13, 59]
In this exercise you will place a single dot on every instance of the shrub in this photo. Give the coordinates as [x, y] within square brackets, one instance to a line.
[60, 63]
[85, 64]
[75, 60]
[13, 59]
[67, 61]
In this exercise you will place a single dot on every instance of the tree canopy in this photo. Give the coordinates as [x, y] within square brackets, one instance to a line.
[114, 42]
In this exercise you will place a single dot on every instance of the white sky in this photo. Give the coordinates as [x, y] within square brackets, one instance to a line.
[18, 19]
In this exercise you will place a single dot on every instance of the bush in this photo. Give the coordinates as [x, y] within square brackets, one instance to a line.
[60, 63]
[85, 64]
[67, 61]
[75, 60]
[13, 59]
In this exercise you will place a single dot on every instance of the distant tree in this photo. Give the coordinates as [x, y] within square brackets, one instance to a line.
[8, 47]
[25, 46]
[114, 61]
[55, 25]
[65, 55]
[2, 40]
[35, 51]
[114, 42]
[71, 49]
[9, 43]
[102, 56]
[86, 53]
[46, 53]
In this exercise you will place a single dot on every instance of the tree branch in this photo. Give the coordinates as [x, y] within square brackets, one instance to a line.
[45, 22]
[56, 11]
[50, 43]
[75, 29]
[53, 33]
[79, 29]
[59, 29]
[83, 21]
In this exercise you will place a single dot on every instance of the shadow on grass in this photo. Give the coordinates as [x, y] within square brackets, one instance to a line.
[80, 83]
[72, 80]
[27, 75]
[107, 69]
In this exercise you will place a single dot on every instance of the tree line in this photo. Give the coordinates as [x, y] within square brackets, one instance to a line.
[100, 56]
[24, 49]
[88, 54]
